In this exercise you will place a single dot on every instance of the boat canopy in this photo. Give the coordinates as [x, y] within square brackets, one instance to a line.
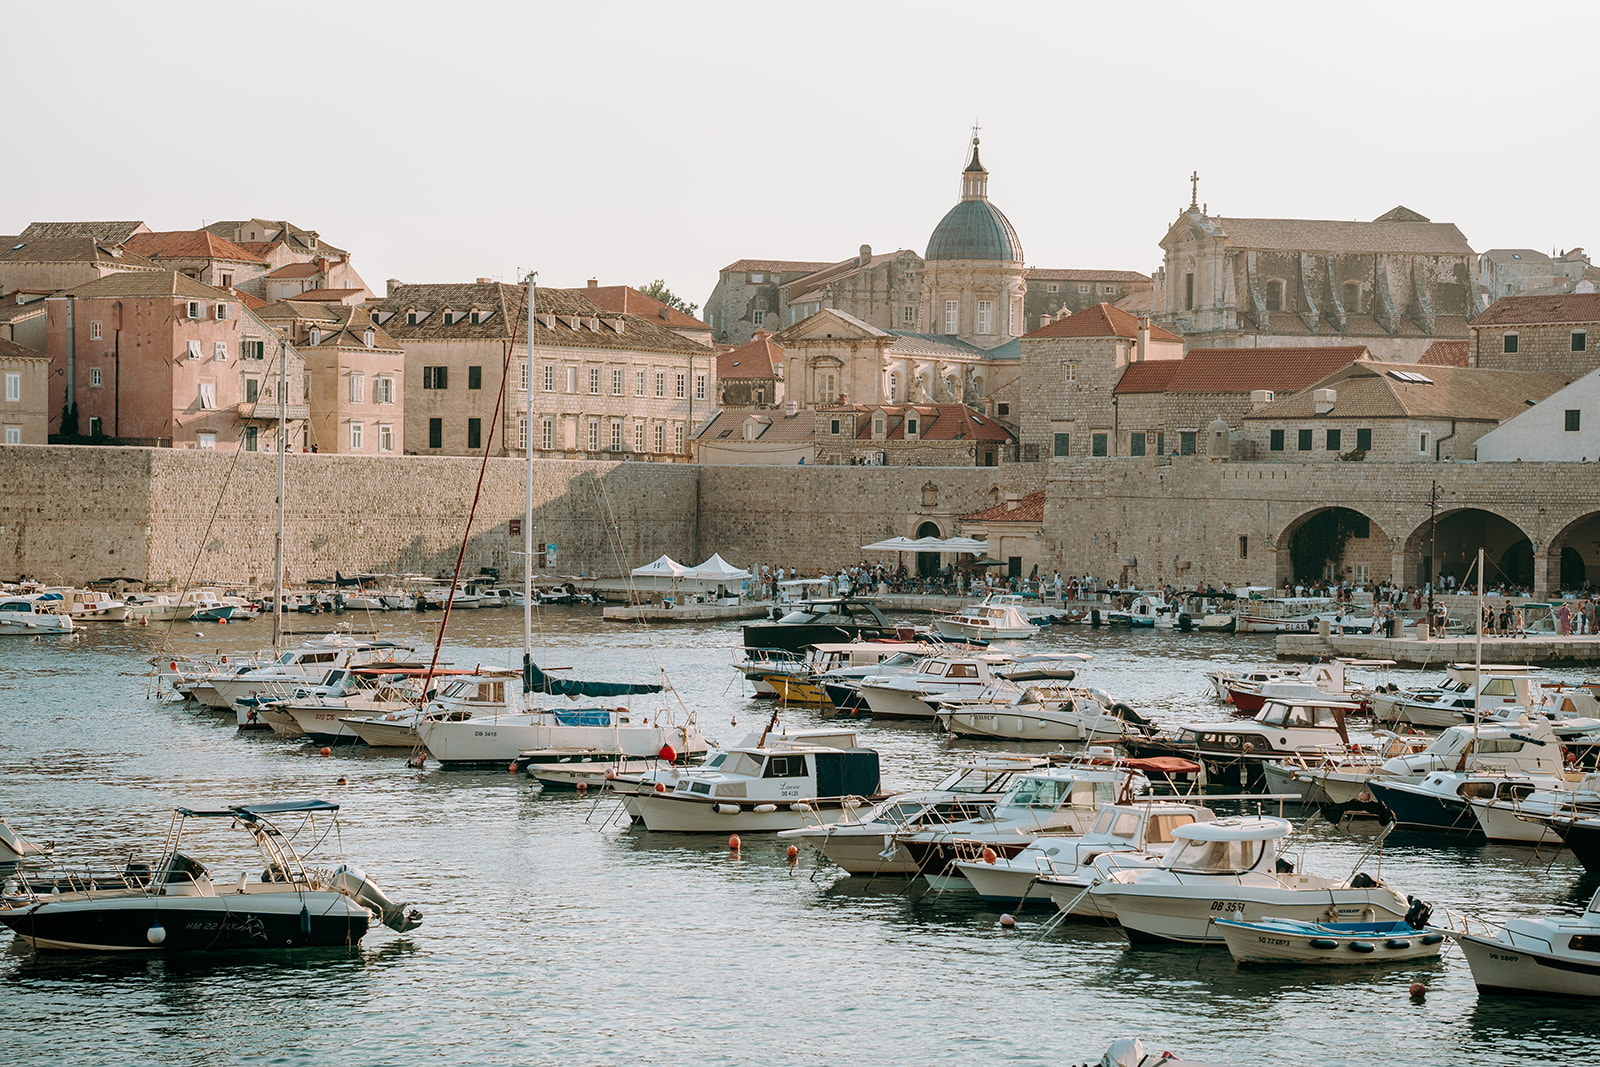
[535, 680]
[249, 811]
[1236, 828]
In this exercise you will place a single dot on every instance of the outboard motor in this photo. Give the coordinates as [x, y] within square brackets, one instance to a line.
[1124, 1052]
[354, 883]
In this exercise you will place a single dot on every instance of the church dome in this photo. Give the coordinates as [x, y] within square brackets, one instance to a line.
[975, 228]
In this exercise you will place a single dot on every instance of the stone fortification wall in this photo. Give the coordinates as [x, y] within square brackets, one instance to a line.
[68, 514]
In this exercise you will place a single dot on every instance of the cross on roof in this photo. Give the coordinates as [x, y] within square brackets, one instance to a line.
[1194, 190]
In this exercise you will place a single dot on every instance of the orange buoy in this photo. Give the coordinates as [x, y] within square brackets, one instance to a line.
[668, 753]
[733, 842]
[144, 620]
[661, 787]
[793, 853]
[327, 751]
[174, 665]
[1007, 921]
[343, 780]
[1418, 990]
[582, 787]
[222, 622]
[988, 855]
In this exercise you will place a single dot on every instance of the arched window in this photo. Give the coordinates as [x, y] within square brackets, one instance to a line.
[1275, 295]
[1352, 297]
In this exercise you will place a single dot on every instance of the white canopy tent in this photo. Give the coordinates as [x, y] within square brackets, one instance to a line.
[665, 567]
[716, 569]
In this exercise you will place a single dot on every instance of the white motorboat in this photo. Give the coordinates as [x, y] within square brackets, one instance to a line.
[320, 712]
[176, 906]
[1323, 944]
[998, 616]
[1524, 812]
[1558, 955]
[1283, 615]
[912, 695]
[1464, 692]
[89, 605]
[1448, 802]
[861, 842]
[1314, 681]
[580, 769]
[162, 607]
[34, 613]
[15, 847]
[298, 666]
[1142, 830]
[1228, 869]
[208, 606]
[1222, 678]
[1235, 750]
[758, 789]
[1044, 713]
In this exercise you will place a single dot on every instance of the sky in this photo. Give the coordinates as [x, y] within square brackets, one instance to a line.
[630, 141]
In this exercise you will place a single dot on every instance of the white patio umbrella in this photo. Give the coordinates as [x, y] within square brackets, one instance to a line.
[966, 545]
[893, 544]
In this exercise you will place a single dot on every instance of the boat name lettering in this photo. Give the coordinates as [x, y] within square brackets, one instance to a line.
[1227, 905]
[486, 733]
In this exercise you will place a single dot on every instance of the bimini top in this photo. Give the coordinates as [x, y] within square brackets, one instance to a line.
[1236, 828]
[248, 812]
[975, 229]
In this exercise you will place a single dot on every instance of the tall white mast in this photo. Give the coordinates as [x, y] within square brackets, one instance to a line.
[283, 447]
[527, 499]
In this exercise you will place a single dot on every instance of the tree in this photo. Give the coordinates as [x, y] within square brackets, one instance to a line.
[657, 290]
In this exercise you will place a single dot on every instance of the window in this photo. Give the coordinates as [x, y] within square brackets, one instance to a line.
[594, 435]
[572, 379]
[682, 387]
[661, 437]
[638, 437]
[833, 427]
[227, 281]
[411, 318]
[1070, 371]
[96, 426]
[385, 437]
[369, 337]
[638, 386]
[1305, 440]
[435, 433]
[1352, 297]
[252, 350]
[356, 431]
[1051, 287]
[194, 349]
[13, 435]
[522, 434]
[677, 438]
[760, 318]
[95, 335]
[1161, 443]
[616, 435]
[1097, 444]
[208, 395]
[252, 390]
[1422, 444]
[383, 389]
[194, 309]
[1186, 440]
[202, 440]
[986, 316]
[699, 386]
[474, 433]
[757, 278]
[951, 309]
[1332, 440]
[1276, 441]
[436, 378]
[1110, 290]
[1188, 292]
[1244, 546]
[908, 316]
[1275, 295]
[549, 378]
[13, 385]
[1580, 340]
[251, 438]
[94, 378]
[477, 317]
[661, 383]
[358, 388]
[315, 336]
[222, 311]
[1572, 420]
[594, 381]
[1136, 444]
[547, 434]
[1364, 440]
[219, 351]
[617, 377]
[1511, 342]
[894, 388]
[1063, 443]
[474, 377]
[911, 426]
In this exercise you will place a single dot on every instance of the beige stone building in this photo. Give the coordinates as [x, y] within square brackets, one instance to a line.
[1394, 285]
[1014, 530]
[911, 435]
[355, 376]
[747, 297]
[201, 255]
[1527, 271]
[882, 290]
[751, 375]
[974, 282]
[49, 264]
[1051, 291]
[298, 260]
[626, 300]
[24, 392]
[1538, 333]
[759, 437]
[604, 384]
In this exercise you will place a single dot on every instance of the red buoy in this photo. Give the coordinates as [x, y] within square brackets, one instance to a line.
[222, 622]
[669, 753]
[327, 751]
[661, 787]
[1007, 921]
[988, 855]
[733, 842]
[793, 853]
[512, 768]
[1418, 990]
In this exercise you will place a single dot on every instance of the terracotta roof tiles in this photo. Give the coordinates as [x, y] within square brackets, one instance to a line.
[1446, 354]
[1369, 390]
[1045, 274]
[1240, 370]
[626, 300]
[187, 244]
[1102, 320]
[1029, 509]
[779, 266]
[1541, 310]
[757, 358]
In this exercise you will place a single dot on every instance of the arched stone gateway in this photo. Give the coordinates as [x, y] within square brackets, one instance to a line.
[1574, 555]
[1333, 543]
[1446, 547]
[928, 562]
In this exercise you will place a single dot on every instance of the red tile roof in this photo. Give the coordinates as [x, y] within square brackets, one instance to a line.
[1537, 310]
[326, 295]
[296, 270]
[1150, 376]
[1072, 275]
[1446, 354]
[1102, 320]
[938, 422]
[757, 358]
[630, 301]
[1029, 509]
[187, 244]
[1241, 370]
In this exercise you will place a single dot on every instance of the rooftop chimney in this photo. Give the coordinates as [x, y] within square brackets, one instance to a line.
[390, 286]
[1140, 352]
[1324, 400]
[485, 281]
[791, 408]
[866, 255]
[594, 283]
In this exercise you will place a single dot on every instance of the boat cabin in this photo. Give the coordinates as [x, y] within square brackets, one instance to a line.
[1529, 746]
[1232, 846]
[788, 774]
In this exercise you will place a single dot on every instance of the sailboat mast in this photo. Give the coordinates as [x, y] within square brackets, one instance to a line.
[527, 497]
[1477, 687]
[283, 447]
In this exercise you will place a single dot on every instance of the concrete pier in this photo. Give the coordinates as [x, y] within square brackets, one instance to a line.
[1569, 651]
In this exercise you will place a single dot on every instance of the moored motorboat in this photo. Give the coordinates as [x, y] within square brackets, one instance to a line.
[15, 847]
[34, 613]
[998, 616]
[1322, 944]
[1556, 956]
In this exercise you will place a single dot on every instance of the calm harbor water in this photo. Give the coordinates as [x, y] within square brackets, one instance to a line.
[554, 933]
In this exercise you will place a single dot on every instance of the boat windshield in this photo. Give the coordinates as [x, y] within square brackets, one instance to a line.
[899, 659]
[1215, 857]
[978, 780]
[1123, 824]
[1161, 827]
[743, 763]
[1053, 792]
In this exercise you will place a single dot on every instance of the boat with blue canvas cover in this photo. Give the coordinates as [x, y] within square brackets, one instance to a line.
[1323, 944]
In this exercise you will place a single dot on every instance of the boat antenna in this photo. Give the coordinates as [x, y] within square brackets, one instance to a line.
[770, 724]
[283, 443]
[527, 498]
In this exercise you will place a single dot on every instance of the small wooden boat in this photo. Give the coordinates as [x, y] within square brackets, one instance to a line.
[1322, 944]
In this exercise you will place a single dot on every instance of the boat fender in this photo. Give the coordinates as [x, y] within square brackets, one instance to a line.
[1362, 946]
[1431, 939]
[1363, 880]
[1397, 942]
[305, 921]
[765, 808]
[156, 934]
[1323, 942]
[799, 805]
[726, 809]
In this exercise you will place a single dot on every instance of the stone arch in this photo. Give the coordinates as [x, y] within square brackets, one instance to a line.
[927, 562]
[1335, 542]
[1447, 546]
[1574, 555]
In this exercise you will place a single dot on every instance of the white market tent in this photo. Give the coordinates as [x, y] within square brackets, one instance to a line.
[665, 567]
[716, 569]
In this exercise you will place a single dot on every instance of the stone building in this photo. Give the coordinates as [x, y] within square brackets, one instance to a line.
[300, 258]
[22, 317]
[973, 279]
[1538, 333]
[1050, 292]
[1527, 271]
[1014, 531]
[603, 383]
[747, 297]
[759, 437]
[751, 376]
[910, 435]
[1395, 284]
[49, 264]
[157, 358]
[1391, 413]
[1069, 370]
[24, 404]
[201, 255]
[355, 376]
[626, 300]
[883, 290]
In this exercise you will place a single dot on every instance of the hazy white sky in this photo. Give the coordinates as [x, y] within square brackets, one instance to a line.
[629, 141]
